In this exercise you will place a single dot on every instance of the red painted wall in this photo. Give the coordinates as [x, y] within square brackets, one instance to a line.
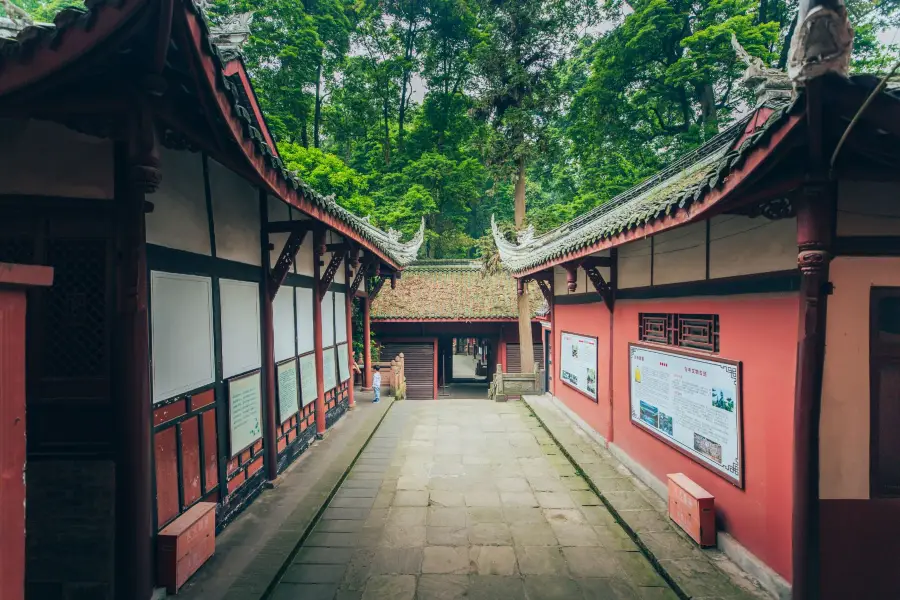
[592, 320]
[760, 331]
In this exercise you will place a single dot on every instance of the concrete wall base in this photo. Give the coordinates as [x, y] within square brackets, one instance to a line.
[770, 581]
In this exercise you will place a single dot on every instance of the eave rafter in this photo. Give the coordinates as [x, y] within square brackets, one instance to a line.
[361, 273]
[376, 288]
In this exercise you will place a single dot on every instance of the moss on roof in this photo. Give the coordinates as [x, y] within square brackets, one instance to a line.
[458, 290]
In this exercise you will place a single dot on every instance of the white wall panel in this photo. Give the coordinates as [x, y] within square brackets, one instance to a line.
[328, 319]
[181, 322]
[179, 219]
[868, 208]
[46, 159]
[743, 246]
[241, 350]
[305, 340]
[304, 260]
[340, 321]
[283, 322]
[679, 255]
[634, 264]
[236, 215]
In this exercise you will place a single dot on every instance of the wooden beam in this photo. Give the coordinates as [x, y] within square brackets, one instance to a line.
[546, 291]
[596, 261]
[285, 260]
[290, 226]
[361, 274]
[340, 247]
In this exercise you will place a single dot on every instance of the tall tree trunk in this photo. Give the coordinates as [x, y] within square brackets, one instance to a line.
[317, 115]
[387, 134]
[708, 113]
[401, 114]
[786, 48]
[304, 134]
[526, 348]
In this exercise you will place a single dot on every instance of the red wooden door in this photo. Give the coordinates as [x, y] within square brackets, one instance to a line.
[12, 444]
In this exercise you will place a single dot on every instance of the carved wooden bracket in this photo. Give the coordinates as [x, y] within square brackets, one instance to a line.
[376, 288]
[285, 260]
[330, 271]
[546, 291]
[361, 274]
[603, 288]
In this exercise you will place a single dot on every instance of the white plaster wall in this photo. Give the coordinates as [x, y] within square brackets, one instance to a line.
[179, 219]
[844, 426]
[278, 211]
[283, 322]
[304, 260]
[868, 208]
[241, 351]
[328, 319]
[45, 159]
[181, 329]
[744, 246]
[340, 321]
[340, 276]
[634, 264]
[236, 216]
[679, 255]
[305, 340]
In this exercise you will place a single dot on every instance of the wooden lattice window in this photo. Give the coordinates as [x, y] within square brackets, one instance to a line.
[698, 332]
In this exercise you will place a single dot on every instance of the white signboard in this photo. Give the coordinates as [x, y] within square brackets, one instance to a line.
[578, 363]
[287, 390]
[329, 369]
[245, 412]
[692, 403]
[307, 379]
[343, 362]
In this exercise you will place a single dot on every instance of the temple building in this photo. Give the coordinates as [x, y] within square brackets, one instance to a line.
[188, 298]
[438, 301]
[735, 318]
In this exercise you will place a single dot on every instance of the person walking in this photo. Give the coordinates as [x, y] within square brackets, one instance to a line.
[376, 383]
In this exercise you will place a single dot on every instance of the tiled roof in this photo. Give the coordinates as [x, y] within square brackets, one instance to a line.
[684, 182]
[435, 290]
[31, 38]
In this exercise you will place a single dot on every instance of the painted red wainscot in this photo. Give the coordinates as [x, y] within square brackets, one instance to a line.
[591, 320]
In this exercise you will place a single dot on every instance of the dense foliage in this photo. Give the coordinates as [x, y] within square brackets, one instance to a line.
[437, 108]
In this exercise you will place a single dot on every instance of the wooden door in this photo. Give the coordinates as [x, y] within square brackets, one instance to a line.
[419, 360]
[514, 357]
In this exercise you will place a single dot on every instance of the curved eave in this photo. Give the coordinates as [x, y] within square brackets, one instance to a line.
[267, 166]
[37, 53]
[693, 211]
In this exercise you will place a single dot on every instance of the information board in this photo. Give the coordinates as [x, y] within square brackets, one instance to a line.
[329, 369]
[287, 390]
[690, 402]
[343, 362]
[245, 412]
[307, 379]
[578, 363]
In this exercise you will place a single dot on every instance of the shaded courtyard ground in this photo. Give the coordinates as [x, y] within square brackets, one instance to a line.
[467, 498]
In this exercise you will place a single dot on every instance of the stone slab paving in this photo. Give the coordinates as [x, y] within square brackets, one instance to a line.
[251, 550]
[694, 573]
[468, 499]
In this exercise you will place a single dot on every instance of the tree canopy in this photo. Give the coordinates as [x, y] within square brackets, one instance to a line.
[412, 108]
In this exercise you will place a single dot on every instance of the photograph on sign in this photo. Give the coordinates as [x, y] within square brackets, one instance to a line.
[578, 363]
[692, 403]
[329, 369]
[307, 379]
[343, 362]
[244, 412]
[287, 390]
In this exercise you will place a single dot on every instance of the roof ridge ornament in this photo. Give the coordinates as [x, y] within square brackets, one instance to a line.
[822, 41]
[767, 83]
[228, 33]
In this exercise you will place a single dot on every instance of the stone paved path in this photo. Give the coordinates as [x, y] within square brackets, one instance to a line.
[462, 498]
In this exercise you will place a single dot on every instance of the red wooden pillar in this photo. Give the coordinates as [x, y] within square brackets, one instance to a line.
[318, 252]
[348, 307]
[816, 207]
[14, 280]
[137, 173]
[436, 355]
[267, 328]
[367, 344]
